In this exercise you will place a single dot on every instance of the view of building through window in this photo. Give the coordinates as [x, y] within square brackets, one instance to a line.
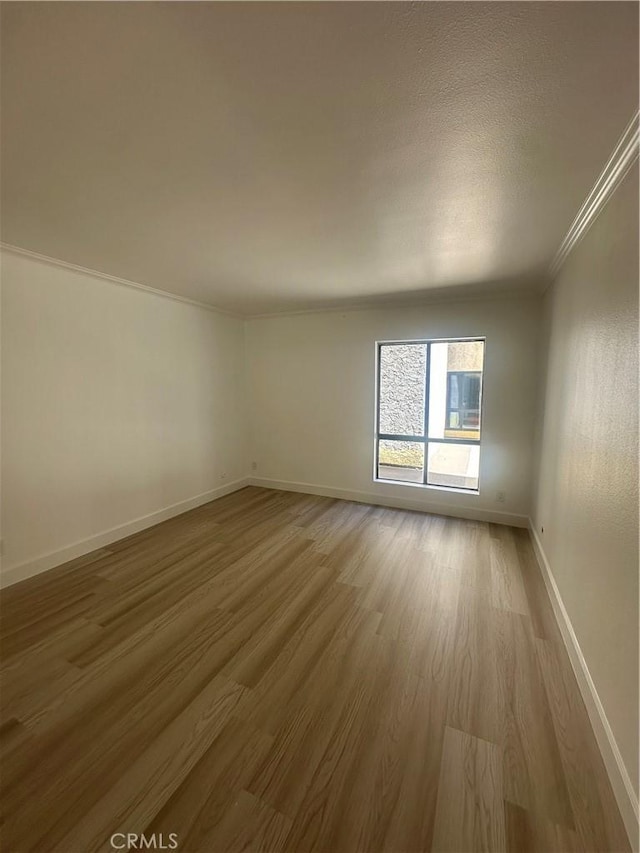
[429, 408]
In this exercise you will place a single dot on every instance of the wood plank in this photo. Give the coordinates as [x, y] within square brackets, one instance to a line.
[250, 825]
[527, 833]
[144, 788]
[470, 810]
[533, 772]
[199, 804]
[597, 819]
[477, 696]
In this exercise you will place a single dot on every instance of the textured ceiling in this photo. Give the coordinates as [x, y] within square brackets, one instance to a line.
[264, 157]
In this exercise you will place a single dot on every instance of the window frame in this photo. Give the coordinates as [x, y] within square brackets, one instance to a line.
[424, 438]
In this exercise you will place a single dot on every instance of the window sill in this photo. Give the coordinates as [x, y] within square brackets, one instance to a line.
[456, 489]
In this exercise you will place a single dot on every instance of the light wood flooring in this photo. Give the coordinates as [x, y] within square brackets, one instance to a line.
[281, 672]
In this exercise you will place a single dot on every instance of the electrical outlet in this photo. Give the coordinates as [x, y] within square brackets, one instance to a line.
[501, 497]
[254, 466]
[223, 476]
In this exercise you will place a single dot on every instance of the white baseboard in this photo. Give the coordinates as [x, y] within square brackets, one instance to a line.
[28, 569]
[434, 507]
[616, 770]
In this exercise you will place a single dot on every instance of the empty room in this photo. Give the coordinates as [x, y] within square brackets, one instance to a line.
[319, 427]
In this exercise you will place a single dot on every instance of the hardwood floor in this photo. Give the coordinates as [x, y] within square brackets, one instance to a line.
[281, 672]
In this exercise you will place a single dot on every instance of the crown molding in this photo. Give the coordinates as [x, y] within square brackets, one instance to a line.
[421, 298]
[624, 156]
[124, 282]
[387, 301]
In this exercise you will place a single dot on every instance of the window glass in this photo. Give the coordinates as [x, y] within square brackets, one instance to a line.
[455, 388]
[402, 388]
[401, 460]
[453, 465]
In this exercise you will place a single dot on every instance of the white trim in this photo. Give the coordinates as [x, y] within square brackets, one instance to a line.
[382, 301]
[387, 301]
[22, 571]
[435, 508]
[623, 157]
[613, 761]
[56, 262]
[455, 490]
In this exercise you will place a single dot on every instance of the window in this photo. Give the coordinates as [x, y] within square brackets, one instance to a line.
[429, 412]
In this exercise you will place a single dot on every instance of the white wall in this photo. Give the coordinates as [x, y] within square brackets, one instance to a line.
[116, 403]
[587, 493]
[311, 386]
